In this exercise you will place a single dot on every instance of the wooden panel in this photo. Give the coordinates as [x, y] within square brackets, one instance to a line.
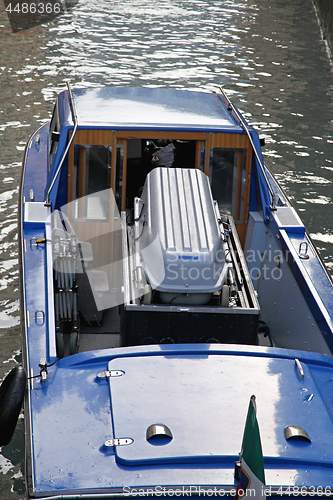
[207, 155]
[199, 145]
[95, 137]
[218, 140]
[233, 141]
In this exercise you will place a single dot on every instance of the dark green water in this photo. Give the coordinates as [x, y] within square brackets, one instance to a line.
[267, 54]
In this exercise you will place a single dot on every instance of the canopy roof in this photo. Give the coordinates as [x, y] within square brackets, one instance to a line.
[152, 108]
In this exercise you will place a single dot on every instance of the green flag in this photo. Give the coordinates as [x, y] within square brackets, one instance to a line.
[252, 474]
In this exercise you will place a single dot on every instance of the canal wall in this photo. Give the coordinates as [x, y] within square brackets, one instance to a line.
[324, 10]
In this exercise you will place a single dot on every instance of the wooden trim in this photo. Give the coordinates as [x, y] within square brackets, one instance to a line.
[123, 142]
[85, 138]
[94, 137]
[233, 141]
[209, 140]
[207, 155]
[109, 138]
[242, 228]
[105, 137]
[199, 145]
[155, 134]
[113, 145]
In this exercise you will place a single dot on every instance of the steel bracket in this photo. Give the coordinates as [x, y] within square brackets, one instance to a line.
[118, 442]
[112, 373]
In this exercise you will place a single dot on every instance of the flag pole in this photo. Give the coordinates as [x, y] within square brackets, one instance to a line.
[251, 463]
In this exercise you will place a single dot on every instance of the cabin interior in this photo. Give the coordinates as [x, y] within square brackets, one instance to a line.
[119, 160]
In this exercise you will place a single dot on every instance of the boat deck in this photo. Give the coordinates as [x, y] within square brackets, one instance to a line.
[108, 335]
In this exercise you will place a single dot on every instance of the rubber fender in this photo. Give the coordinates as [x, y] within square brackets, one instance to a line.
[12, 392]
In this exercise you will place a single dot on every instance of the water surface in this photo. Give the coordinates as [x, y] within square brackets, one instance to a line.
[269, 57]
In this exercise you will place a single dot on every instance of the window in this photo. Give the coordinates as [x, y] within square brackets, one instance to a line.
[227, 178]
[92, 182]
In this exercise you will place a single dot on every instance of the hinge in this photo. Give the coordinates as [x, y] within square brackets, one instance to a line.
[118, 442]
[112, 373]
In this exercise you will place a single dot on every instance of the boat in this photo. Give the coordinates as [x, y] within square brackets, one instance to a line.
[165, 279]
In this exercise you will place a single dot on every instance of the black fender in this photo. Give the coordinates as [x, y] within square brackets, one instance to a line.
[12, 392]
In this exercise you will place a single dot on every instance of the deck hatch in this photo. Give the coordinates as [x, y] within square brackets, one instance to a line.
[207, 424]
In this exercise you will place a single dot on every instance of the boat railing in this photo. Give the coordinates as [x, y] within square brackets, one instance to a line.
[244, 125]
[47, 198]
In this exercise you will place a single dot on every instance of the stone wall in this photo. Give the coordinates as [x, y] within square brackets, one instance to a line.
[324, 9]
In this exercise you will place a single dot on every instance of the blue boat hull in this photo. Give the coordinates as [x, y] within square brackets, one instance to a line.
[88, 414]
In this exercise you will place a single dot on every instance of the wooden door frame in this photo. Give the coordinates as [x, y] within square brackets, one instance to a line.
[95, 137]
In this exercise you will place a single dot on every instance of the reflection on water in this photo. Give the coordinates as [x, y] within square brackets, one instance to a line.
[267, 55]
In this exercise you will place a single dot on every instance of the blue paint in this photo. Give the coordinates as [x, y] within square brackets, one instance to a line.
[200, 453]
[201, 391]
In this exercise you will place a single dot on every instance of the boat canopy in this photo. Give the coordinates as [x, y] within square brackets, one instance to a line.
[153, 109]
[119, 125]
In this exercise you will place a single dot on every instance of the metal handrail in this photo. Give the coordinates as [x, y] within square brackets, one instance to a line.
[261, 165]
[47, 199]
